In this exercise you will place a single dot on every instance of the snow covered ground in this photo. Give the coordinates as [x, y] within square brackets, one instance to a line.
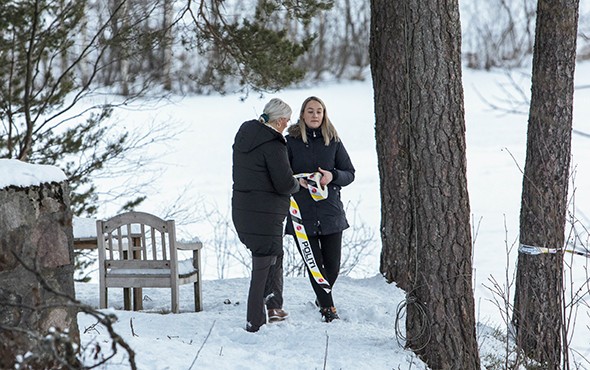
[216, 339]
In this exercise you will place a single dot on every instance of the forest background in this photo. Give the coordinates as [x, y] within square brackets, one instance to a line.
[151, 52]
[89, 58]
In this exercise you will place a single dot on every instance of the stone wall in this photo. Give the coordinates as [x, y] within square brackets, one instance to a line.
[36, 248]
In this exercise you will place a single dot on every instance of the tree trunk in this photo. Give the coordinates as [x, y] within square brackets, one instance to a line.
[388, 52]
[538, 300]
[123, 18]
[168, 19]
[420, 132]
[118, 69]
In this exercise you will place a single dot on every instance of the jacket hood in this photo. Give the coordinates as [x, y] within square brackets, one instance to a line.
[252, 134]
[294, 130]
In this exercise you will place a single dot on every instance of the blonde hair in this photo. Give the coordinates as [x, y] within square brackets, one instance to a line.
[328, 130]
[275, 109]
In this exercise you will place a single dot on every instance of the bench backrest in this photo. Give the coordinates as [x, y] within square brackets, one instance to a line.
[137, 240]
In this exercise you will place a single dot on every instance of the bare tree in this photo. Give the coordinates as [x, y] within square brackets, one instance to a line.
[539, 281]
[498, 33]
[415, 54]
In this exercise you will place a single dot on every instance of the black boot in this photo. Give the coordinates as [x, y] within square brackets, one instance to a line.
[329, 314]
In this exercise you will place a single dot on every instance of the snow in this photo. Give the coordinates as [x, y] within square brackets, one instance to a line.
[200, 160]
[84, 227]
[22, 174]
[363, 339]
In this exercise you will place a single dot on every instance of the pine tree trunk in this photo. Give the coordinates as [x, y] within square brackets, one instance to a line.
[538, 300]
[420, 130]
[388, 52]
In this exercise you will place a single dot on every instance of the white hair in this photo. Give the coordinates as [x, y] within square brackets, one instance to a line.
[275, 109]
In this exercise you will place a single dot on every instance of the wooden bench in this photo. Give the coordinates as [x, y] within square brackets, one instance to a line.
[139, 250]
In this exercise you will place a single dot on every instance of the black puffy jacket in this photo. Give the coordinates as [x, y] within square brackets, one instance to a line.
[325, 216]
[262, 183]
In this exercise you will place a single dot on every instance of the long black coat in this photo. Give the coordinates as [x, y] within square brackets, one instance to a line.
[262, 183]
[326, 216]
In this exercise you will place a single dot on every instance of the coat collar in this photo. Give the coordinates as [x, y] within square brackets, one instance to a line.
[313, 132]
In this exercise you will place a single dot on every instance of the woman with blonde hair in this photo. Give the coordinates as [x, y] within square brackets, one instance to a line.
[262, 184]
[314, 146]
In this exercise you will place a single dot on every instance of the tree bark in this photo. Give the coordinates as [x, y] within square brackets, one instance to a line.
[168, 20]
[388, 52]
[415, 54]
[539, 279]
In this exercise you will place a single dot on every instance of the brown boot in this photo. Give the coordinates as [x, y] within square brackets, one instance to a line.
[277, 314]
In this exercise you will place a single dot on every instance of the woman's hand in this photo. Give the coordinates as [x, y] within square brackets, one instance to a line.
[326, 177]
[303, 182]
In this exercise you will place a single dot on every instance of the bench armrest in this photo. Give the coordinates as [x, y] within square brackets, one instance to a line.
[187, 246]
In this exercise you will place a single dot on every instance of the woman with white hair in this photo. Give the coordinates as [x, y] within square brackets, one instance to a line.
[262, 184]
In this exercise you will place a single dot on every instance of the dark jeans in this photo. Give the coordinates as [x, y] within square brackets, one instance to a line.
[266, 287]
[327, 251]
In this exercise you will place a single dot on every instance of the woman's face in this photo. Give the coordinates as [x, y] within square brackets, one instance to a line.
[313, 114]
[282, 123]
